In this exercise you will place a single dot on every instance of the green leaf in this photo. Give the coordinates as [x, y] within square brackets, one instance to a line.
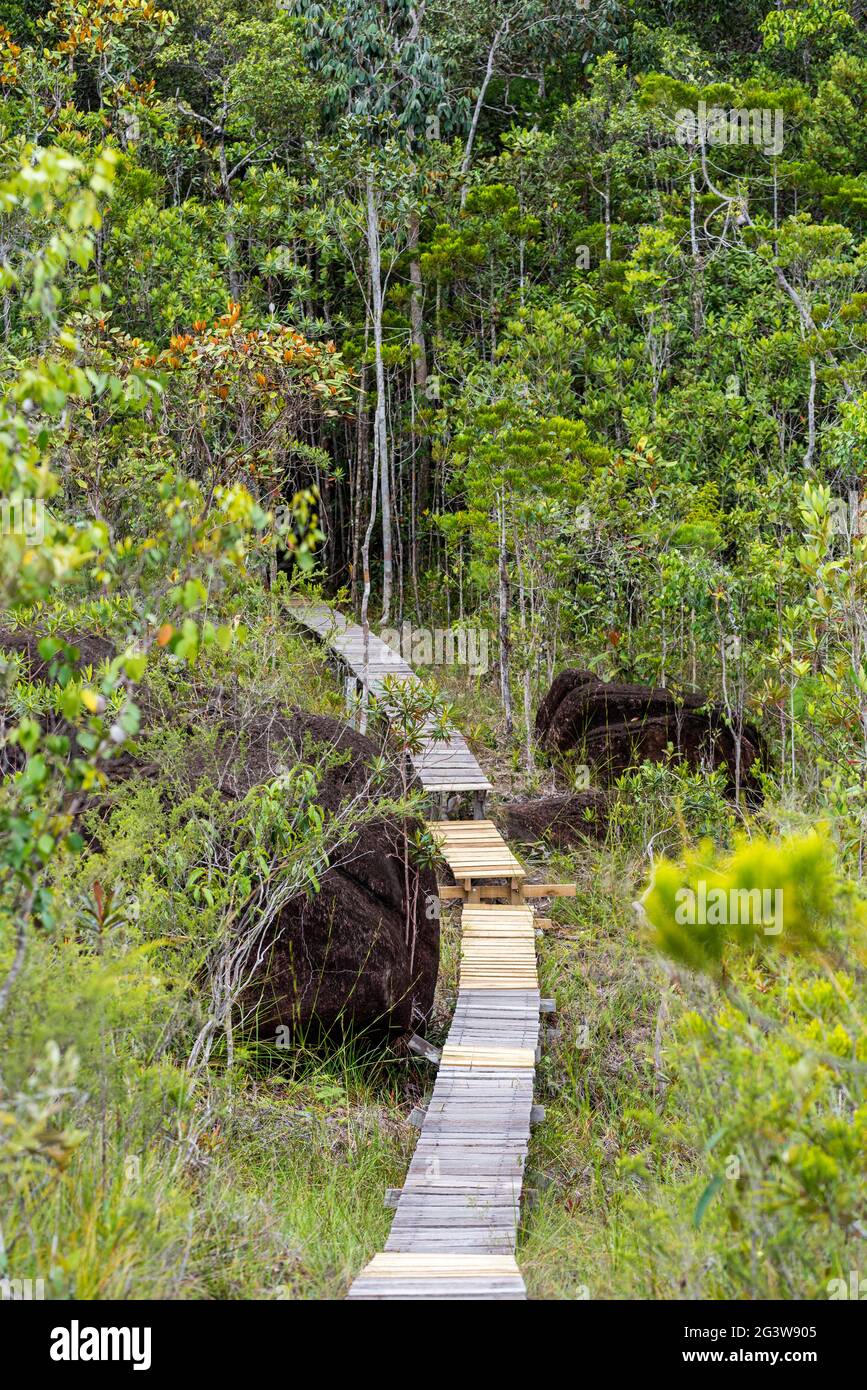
[135, 664]
[705, 1200]
[27, 735]
[35, 772]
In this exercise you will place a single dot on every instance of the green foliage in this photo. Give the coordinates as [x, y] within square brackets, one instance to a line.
[777, 895]
[659, 803]
[800, 21]
[377, 67]
[441, 297]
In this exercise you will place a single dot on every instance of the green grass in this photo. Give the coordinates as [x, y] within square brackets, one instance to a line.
[258, 1189]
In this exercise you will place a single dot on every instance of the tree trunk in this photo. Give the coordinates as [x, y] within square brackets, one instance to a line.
[419, 364]
[811, 417]
[480, 102]
[226, 194]
[380, 433]
[365, 596]
[697, 297]
[360, 470]
[505, 646]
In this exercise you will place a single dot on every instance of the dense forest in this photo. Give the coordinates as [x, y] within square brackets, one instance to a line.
[533, 337]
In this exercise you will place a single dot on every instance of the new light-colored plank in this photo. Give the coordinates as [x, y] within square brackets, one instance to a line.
[475, 849]
[514, 1057]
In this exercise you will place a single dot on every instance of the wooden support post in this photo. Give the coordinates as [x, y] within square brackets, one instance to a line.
[485, 893]
[392, 1197]
[350, 699]
[416, 1116]
[547, 1006]
[537, 1114]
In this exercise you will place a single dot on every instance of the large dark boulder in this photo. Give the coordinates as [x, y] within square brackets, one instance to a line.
[362, 952]
[564, 820]
[613, 726]
[561, 687]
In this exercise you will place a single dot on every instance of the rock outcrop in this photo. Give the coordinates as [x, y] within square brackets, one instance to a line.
[359, 953]
[564, 820]
[362, 952]
[612, 726]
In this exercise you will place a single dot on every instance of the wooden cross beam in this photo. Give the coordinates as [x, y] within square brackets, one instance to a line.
[467, 890]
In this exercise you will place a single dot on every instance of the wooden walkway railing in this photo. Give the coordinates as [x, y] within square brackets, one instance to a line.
[456, 1217]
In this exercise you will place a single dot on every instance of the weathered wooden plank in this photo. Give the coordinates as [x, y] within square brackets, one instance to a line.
[427, 1204]
[504, 1103]
[437, 1242]
[457, 1081]
[452, 1084]
[449, 1125]
[441, 1155]
[505, 1027]
[489, 1097]
[504, 1195]
[459, 1214]
[494, 1163]
[448, 766]
[462, 1110]
[442, 1266]
[495, 1188]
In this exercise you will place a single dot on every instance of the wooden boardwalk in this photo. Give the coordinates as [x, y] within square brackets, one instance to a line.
[456, 1218]
[474, 851]
[456, 1221]
[447, 767]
